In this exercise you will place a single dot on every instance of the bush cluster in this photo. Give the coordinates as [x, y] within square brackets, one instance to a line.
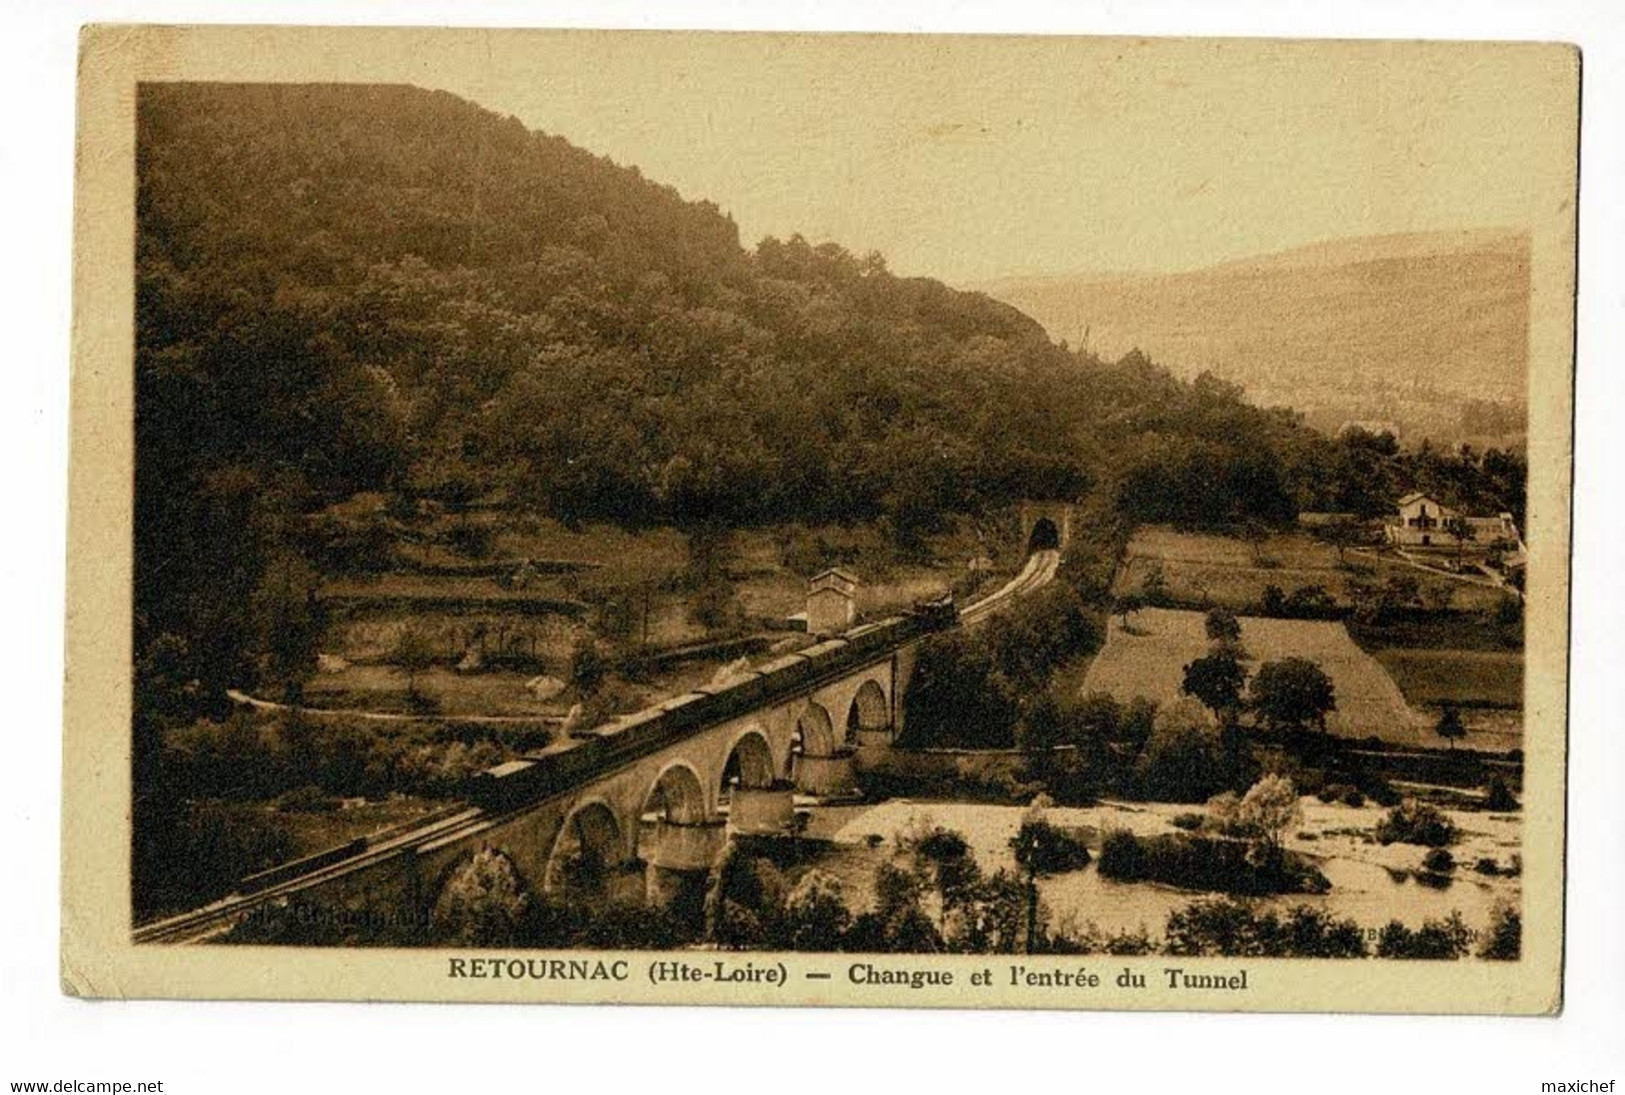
[1204, 863]
[254, 757]
[1435, 939]
[1413, 822]
[1224, 927]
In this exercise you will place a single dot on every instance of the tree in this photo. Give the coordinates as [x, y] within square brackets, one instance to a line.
[415, 654]
[1222, 626]
[1342, 534]
[957, 697]
[946, 855]
[898, 920]
[1503, 942]
[1450, 727]
[815, 912]
[991, 915]
[1128, 604]
[483, 903]
[1257, 534]
[1041, 850]
[1217, 680]
[290, 622]
[1436, 596]
[1273, 601]
[588, 669]
[1154, 586]
[1291, 694]
[1461, 530]
[1499, 797]
[1403, 590]
[1181, 760]
[1271, 808]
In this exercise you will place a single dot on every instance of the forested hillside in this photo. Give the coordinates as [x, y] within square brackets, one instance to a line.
[384, 289]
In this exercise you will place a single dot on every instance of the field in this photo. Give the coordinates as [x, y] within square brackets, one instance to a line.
[1202, 568]
[1468, 678]
[1486, 685]
[1462, 657]
[1148, 659]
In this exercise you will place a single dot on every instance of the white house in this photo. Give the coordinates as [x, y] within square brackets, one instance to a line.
[1422, 521]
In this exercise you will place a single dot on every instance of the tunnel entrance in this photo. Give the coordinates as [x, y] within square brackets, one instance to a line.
[1045, 536]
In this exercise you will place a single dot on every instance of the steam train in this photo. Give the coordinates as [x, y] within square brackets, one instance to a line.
[566, 763]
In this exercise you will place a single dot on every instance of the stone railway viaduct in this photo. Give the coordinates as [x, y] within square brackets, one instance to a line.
[646, 802]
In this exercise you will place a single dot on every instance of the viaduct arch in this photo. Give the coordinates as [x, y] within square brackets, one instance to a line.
[655, 828]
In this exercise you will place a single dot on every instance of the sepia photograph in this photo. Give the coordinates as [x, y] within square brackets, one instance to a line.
[970, 521]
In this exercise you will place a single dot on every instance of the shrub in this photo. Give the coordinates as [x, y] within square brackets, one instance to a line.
[1189, 822]
[1224, 927]
[1498, 797]
[1128, 943]
[474, 539]
[1310, 602]
[1503, 942]
[1413, 822]
[482, 904]
[308, 799]
[1120, 855]
[1273, 602]
[816, 916]
[570, 923]
[1312, 933]
[1049, 848]
[1439, 861]
[1068, 938]
[1449, 938]
[1488, 866]
[1346, 793]
[1204, 863]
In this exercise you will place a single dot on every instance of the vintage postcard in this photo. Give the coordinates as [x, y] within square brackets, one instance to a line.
[1021, 522]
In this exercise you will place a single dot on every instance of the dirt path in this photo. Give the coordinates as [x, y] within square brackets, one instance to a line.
[243, 698]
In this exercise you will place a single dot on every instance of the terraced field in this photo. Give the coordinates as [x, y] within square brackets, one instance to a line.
[1149, 658]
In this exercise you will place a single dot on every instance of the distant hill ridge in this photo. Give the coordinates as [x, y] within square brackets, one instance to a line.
[1408, 328]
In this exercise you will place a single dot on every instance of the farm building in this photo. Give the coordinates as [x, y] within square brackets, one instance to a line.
[1421, 521]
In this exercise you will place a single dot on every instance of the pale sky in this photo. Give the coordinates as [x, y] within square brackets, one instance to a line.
[967, 158]
[973, 158]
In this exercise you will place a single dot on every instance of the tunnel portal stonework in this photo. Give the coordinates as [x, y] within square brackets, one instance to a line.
[1046, 525]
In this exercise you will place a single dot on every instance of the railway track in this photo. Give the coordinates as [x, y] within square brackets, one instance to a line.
[218, 916]
[1038, 572]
